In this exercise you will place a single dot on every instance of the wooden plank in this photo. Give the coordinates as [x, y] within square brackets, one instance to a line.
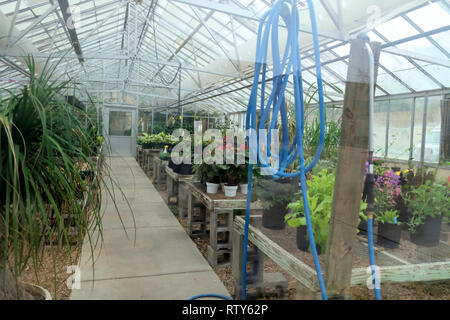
[179, 177]
[405, 273]
[219, 201]
[353, 150]
[299, 270]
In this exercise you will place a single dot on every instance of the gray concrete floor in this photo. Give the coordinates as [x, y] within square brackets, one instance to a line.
[145, 254]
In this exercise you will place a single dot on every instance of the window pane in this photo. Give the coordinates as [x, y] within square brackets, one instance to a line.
[418, 121]
[433, 135]
[400, 129]
[379, 132]
[120, 123]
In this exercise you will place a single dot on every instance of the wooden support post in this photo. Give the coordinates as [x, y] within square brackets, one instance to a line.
[353, 151]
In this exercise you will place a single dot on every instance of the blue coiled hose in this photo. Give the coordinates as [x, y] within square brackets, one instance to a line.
[282, 68]
[290, 64]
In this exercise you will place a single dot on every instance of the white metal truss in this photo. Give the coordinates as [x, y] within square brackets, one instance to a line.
[168, 54]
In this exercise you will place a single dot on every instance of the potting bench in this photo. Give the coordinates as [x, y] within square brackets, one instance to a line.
[419, 264]
[175, 186]
[139, 155]
[147, 163]
[221, 210]
[159, 171]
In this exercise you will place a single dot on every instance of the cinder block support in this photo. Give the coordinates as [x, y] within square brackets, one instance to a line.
[198, 220]
[183, 195]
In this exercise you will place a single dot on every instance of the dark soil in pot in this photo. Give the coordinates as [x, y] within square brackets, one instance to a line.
[389, 235]
[429, 233]
[185, 169]
[303, 242]
[273, 218]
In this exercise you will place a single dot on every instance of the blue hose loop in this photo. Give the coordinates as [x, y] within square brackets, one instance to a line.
[210, 295]
[291, 63]
[372, 259]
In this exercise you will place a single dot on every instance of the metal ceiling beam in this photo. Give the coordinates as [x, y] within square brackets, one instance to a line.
[417, 56]
[25, 32]
[69, 25]
[245, 13]
[224, 8]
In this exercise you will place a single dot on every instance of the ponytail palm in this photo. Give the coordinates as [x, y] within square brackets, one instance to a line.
[43, 141]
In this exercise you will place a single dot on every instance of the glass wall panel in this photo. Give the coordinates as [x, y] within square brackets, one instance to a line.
[418, 121]
[400, 129]
[433, 135]
[379, 130]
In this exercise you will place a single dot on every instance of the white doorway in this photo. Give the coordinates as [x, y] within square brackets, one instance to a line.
[119, 130]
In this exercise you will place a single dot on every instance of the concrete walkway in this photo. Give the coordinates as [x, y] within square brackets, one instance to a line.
[164, 263]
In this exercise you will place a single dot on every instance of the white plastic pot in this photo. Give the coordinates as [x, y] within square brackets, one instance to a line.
[212, 187]
[230, 191]
[244, 188]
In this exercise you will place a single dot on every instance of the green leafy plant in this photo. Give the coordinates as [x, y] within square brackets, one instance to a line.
[427, 200]
[320, 199]
[164, 155]
[156, 141]
[47, 163]
[388, 216]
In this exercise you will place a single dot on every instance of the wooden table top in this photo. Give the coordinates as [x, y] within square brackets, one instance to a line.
[219, 200]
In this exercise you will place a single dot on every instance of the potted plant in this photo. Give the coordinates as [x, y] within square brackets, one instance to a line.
[427, 204]
[243, 179]
[208, 175]
[165, 156]
[46, 164]
[320, 199]
[275, 195]
[389, 231]
[231, 179]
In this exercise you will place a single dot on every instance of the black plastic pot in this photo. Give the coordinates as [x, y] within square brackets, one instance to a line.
[303, 242]
[389, 235]
[403, 214]
[273, 218]
[185, 169]
[429, 233]
[176, 168]
[362, 227]
[171, 164]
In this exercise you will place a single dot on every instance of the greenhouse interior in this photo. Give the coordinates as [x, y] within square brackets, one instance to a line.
[224, 150]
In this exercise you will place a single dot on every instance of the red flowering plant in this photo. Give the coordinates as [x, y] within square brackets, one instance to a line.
[229, 173]
[235, 172]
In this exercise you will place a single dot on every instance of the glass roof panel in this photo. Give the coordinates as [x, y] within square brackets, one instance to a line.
[392, 86]
[402, 29]
[423, 46]
[421, 17]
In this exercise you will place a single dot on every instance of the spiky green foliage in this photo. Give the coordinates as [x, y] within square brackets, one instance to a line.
[48, 171]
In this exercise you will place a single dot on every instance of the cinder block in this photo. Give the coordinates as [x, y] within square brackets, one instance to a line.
[219, 258]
